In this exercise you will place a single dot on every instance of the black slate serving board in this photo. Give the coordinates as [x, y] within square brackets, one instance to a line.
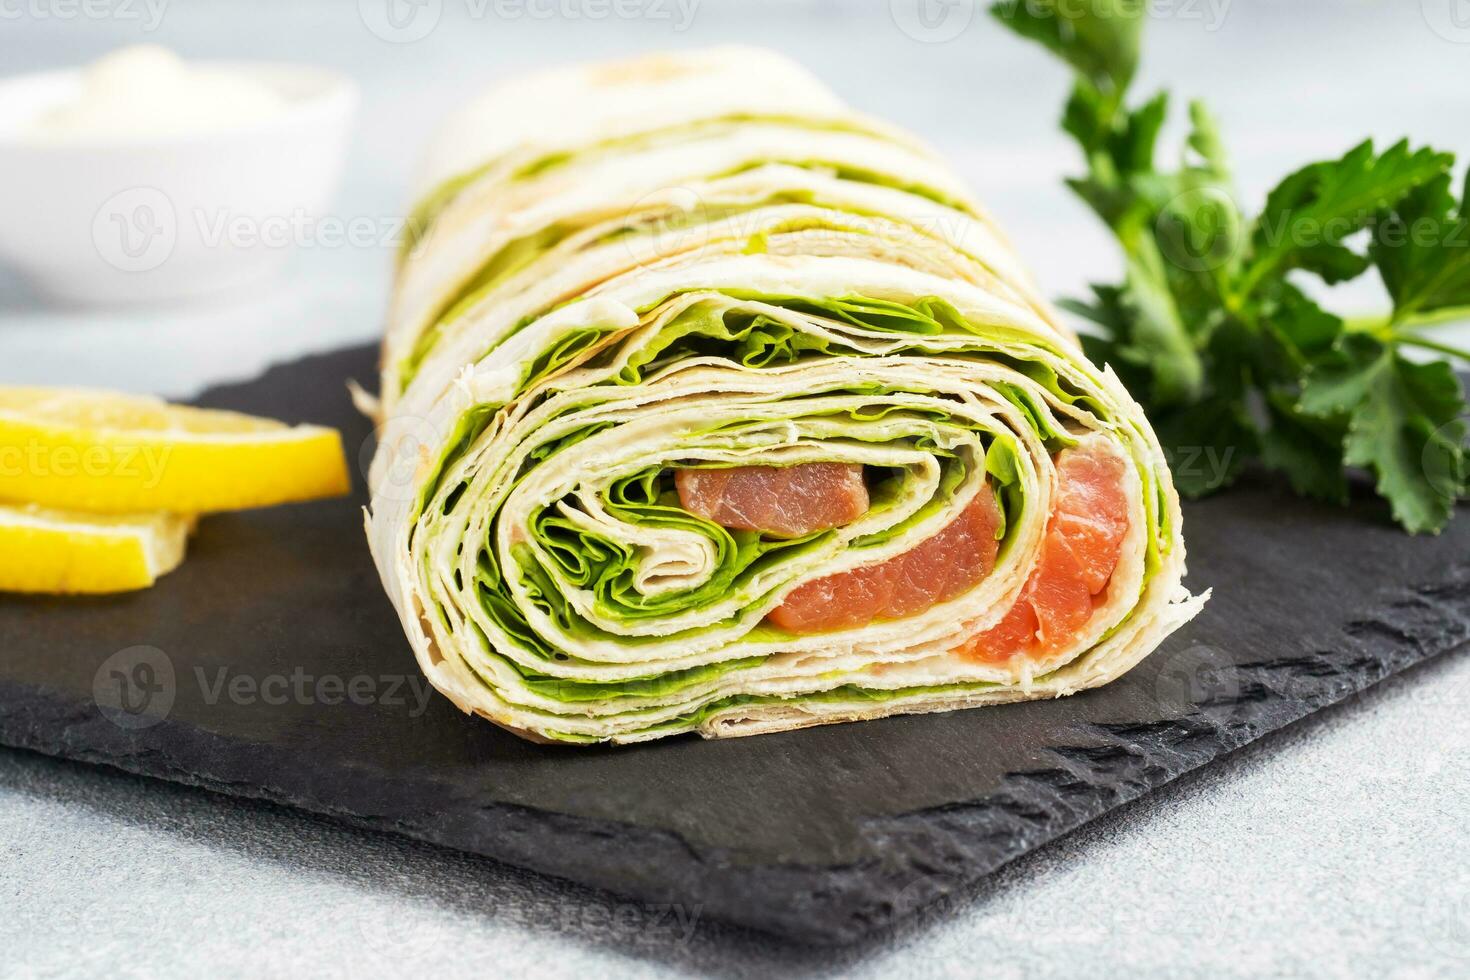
[272, 666]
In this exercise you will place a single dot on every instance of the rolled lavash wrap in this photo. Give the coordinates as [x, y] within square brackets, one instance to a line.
[711, 406]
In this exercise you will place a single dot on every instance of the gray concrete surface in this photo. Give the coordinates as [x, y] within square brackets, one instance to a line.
[1334, 849]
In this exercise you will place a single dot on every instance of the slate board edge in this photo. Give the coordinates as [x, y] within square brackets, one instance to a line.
[802, 903]
[805, 903]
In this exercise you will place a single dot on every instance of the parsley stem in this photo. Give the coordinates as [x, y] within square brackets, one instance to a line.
[1387, 327]
[1378, 326]
[1248, 283]
[1434, 345]
[1437, 318]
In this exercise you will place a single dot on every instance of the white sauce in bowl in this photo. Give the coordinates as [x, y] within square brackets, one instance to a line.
[146, 92]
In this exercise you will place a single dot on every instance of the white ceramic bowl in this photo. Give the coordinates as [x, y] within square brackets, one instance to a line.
[169, 218]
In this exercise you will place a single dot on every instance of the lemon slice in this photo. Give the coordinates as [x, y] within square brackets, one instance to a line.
[112, 453]
[54, 551]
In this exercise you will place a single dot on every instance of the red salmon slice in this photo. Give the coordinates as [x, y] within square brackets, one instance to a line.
[1091, 515]
[1082, 546]
[784, 501]
[837, 602]
[944, 565]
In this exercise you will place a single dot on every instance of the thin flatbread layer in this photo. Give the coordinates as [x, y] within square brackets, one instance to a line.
[585, 363]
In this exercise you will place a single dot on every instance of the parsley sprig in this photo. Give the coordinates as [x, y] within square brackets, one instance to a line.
[1209, 327]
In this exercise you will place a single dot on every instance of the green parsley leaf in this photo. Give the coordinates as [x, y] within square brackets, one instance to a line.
[1099, 39]
[1309, 213]
[1307, 449]
[1422, 249]
[1404, 423]
[1207, 444]
[1232, 360]
[1204, 140]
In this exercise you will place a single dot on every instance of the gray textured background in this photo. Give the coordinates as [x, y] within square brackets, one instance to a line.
[1337, 848]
